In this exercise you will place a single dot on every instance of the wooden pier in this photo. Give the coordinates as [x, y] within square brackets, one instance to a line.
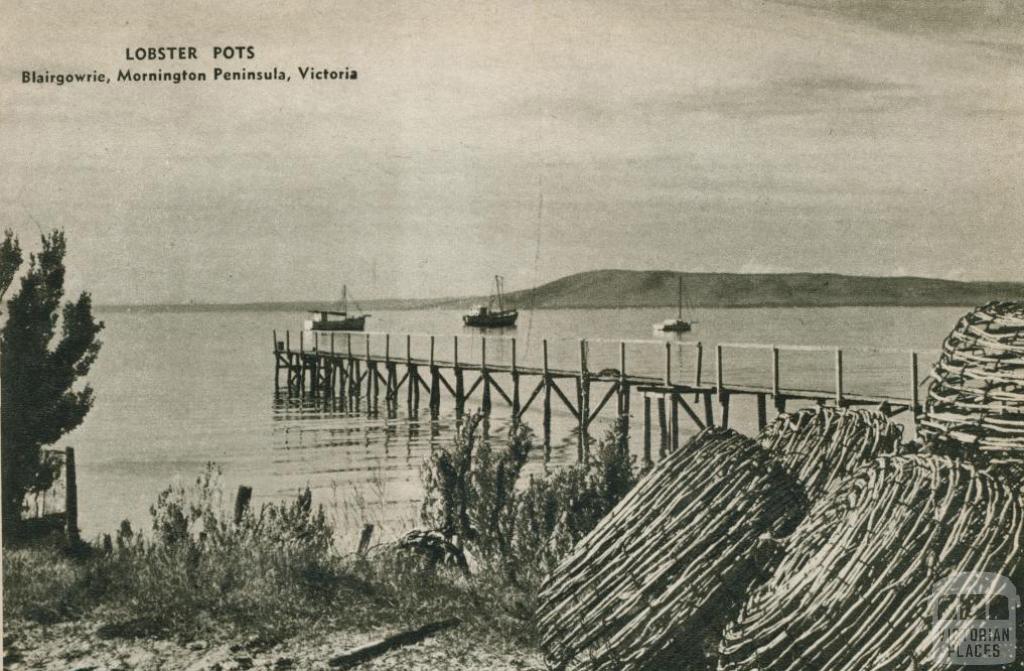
[364, 371]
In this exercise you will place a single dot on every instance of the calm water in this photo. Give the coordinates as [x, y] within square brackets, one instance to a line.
[177, 390]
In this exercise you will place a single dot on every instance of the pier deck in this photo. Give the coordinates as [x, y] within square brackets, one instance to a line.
[362, 370]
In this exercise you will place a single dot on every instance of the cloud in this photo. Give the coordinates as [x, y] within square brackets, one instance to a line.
[838, 84]
[804, 95]
[1012, 49]
[828, 93]
[933, 16]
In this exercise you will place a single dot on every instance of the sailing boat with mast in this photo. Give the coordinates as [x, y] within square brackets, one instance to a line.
[487, 317]
[677, 325]
[329, 320]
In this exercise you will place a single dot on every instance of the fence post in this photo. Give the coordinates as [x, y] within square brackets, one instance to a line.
[242, 500]
[70, 497]
[364, 539]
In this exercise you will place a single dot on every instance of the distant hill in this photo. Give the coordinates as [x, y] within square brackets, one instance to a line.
[658, 288]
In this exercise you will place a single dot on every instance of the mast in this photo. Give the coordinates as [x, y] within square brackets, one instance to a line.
[497, 288]
[679, 300]
[344, 298]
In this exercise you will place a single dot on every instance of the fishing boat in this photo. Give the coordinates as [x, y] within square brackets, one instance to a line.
[677, 325]
[331, 320]
[486, 316]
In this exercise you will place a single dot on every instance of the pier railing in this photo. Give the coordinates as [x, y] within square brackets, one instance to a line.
[584, 375]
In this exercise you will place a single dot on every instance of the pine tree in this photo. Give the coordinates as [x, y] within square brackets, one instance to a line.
[39, 401]
[10, 261]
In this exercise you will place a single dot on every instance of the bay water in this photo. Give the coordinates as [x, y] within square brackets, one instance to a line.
[176, 390]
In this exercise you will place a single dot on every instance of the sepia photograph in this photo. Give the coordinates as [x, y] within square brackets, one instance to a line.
[572, 335]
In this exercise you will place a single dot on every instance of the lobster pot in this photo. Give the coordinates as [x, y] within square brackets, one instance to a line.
[858, 585]
[657, 577]
[975, 406]
[822, 445]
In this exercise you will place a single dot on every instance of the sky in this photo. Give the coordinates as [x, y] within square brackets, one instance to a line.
[530, 139]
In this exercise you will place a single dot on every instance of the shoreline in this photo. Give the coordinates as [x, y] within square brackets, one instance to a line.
[304, 307]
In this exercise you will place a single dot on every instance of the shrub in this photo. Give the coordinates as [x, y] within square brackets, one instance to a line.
[474, 493]
[556, 511]
[271, 572]
[273, 566]
[470, 487]
[277, 572]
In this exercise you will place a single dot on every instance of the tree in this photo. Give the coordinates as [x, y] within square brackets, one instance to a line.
[39, 402]
[10, 261]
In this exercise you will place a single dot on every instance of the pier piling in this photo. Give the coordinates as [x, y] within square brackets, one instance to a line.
[351, 376]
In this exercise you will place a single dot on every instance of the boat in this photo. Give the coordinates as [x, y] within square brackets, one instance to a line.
[677, 325]
[486, 316]
[332, 320]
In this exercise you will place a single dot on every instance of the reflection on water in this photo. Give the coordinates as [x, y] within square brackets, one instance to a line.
[366, 468]
[177, 390]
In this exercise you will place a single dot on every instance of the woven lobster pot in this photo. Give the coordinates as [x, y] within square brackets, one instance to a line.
[856, 587]
[975, 407]
[820, 446]
[659, 572]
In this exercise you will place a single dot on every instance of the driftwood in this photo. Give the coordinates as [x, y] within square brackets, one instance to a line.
[975, 406]
[820, 446]
[658, 574]
[364, 653]
[855, 588]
